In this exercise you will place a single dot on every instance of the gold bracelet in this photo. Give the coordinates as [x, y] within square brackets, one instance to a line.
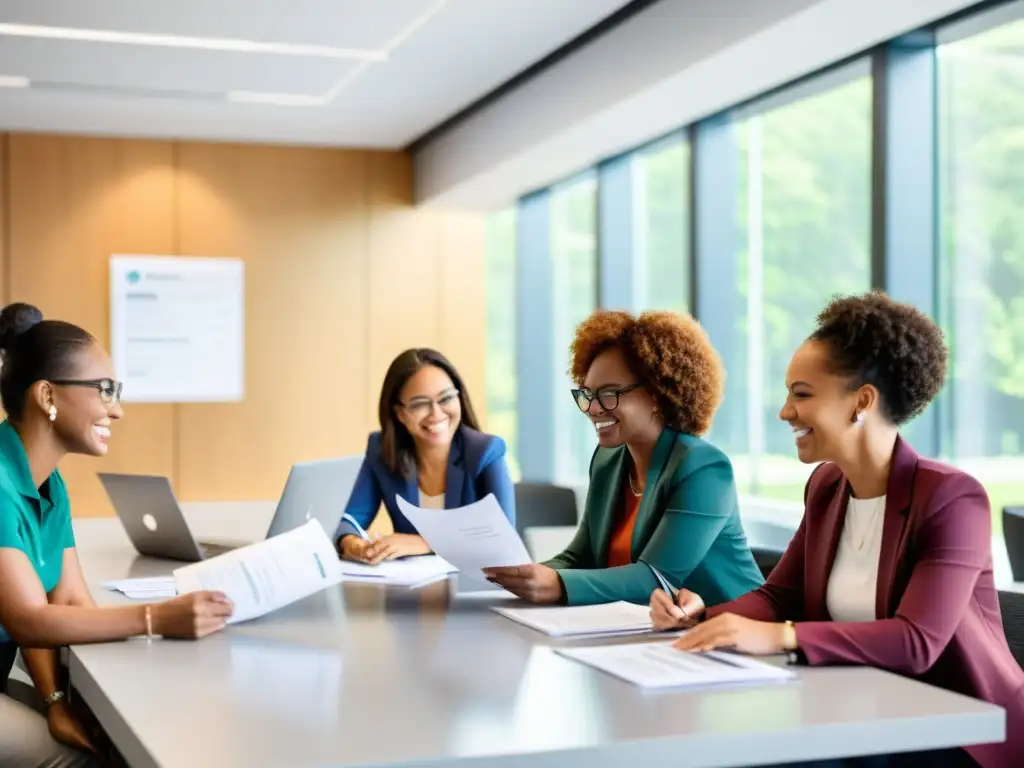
[149, 622]
[789, 638]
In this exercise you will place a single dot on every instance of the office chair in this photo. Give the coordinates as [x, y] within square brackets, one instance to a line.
[766, 559]
[539, 505]
[1013, 534]
[1011, 606]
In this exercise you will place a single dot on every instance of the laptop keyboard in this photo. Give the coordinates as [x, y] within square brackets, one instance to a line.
[212, 550]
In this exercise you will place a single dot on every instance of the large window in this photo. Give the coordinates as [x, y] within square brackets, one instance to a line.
[981, 133]
[501, 329]
[574, 268]
[661, 248]
[804, 235]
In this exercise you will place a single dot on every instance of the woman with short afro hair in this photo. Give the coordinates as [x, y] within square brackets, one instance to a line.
[662, 505]
[891, 566]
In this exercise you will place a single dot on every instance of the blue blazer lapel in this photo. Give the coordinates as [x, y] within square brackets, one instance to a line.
[455, 479]
[410, 489]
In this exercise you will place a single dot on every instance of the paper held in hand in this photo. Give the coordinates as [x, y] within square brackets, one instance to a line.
[659, 665]
[268, 575]
[472, 537]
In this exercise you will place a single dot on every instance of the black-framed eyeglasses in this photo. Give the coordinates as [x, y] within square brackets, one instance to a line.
[608, 398]
[422, 406]
[110, 390]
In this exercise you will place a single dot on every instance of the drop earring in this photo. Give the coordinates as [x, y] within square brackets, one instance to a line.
[859, 419]
[53, 413]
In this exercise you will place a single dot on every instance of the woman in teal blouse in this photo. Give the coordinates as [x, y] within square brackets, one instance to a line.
[58, 390]
[662, 506]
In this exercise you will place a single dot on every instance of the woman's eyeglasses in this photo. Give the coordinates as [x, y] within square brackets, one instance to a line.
[608, 398]
[422, 406]
[110, 390]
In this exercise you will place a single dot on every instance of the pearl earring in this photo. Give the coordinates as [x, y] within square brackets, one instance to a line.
[53, 413]
[859, 421]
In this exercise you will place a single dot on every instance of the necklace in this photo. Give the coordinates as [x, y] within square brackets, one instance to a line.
[867, 529]
[632, 486]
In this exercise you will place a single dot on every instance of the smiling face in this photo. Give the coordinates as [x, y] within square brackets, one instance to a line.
[820, 407]
[430, 408]
[83, 418]
[634, 419]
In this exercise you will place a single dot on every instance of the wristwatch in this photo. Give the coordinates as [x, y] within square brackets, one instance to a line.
[54, 697]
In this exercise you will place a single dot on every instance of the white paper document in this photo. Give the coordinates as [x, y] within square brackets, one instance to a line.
[567, 621]
[150, 588]
[268, 575]
[472, 537]
[659, 665]
[407, 572]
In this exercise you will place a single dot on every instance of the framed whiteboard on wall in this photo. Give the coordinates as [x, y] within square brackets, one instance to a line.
[177, 328]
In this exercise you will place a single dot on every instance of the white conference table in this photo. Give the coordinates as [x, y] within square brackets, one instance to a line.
[364, 675]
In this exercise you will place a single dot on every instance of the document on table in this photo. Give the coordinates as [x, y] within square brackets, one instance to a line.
[619, 618]
[472, 537]
[268, 575]
[144, 589]
[659, 665]
[406, 572]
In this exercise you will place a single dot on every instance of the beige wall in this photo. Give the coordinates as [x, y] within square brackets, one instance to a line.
[342, 273]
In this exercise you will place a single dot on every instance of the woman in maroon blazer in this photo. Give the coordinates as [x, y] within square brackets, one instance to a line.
[892, 563]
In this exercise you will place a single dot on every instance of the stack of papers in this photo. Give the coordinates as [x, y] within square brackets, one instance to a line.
[268, 575]
[410, 572]
[144, 589]
[472, 537]
[566, 621]
[659, 665]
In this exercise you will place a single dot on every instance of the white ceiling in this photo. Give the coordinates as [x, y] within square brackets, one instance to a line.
[330, 72]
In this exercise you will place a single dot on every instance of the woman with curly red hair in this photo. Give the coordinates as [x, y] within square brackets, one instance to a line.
[662, 505]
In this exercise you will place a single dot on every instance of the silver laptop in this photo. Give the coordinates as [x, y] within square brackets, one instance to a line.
[316, 490]
[157, 527]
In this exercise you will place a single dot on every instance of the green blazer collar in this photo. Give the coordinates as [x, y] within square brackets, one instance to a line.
[610, 478]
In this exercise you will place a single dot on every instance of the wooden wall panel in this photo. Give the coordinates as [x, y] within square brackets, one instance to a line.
[342, 273]
[297, 217]
[462, 304]
[404, 278]
[72, 203]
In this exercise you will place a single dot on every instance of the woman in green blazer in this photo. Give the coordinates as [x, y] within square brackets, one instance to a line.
[662, 506]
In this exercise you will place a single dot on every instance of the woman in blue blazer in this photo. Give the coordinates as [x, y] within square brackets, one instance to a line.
[429, 451]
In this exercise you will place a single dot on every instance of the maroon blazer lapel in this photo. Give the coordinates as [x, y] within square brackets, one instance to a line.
[897, 504]
[830, 526]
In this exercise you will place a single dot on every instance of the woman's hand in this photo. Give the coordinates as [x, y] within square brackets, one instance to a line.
[65, 728]
[191, 616]
[354, 547]
[666, 615]
[759, 638]
[395, 545]
[534, 583]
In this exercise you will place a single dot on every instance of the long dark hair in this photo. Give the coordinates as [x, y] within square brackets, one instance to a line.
[396, 446]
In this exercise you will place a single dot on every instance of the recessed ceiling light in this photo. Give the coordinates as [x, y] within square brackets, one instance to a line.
[319, 100]
[13, 81]
[228, 44]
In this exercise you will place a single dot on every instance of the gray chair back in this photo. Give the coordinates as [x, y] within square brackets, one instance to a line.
[539, 505]
[766, 558]
[1013, 534]
[1011, 606]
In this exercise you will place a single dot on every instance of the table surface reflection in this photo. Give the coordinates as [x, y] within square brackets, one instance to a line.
[361, 675]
